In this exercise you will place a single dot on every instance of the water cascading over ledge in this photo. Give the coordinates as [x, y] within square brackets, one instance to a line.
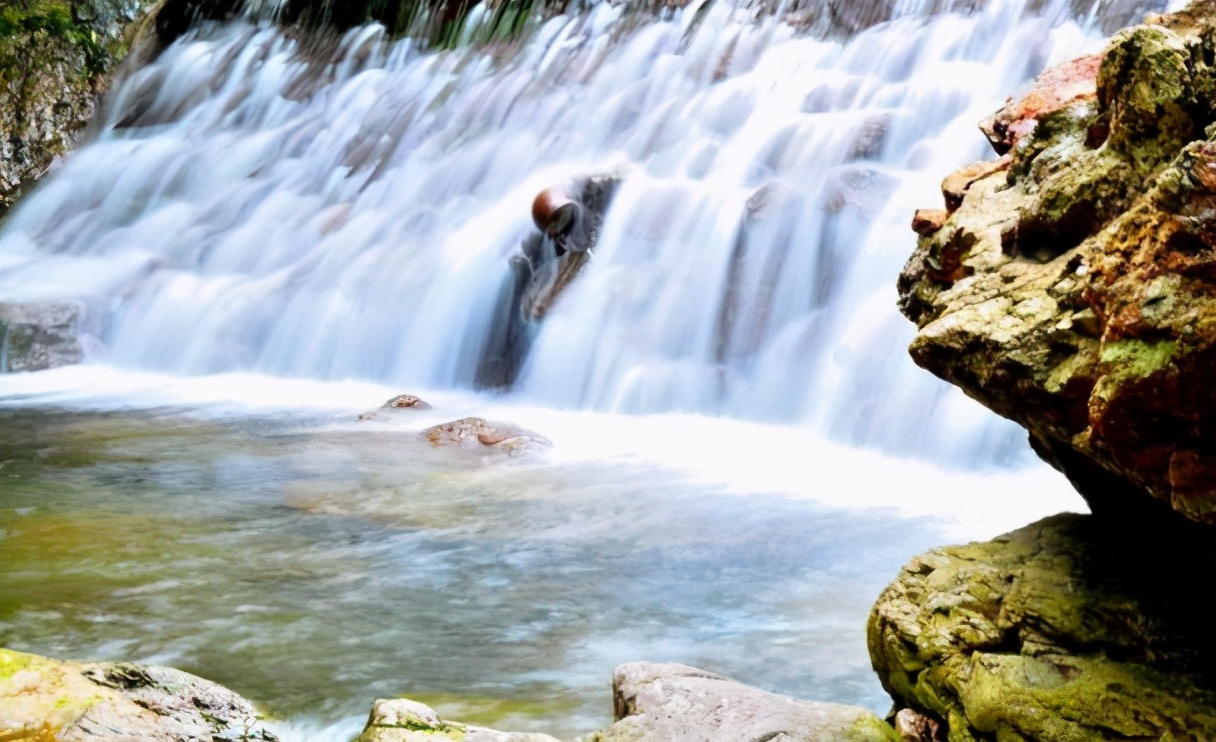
[248, 208]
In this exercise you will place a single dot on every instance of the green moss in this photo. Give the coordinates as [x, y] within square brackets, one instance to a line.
[12, 663]
[870, 728]
[1134, 358]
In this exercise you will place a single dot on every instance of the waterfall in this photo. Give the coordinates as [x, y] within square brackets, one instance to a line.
[250, 205]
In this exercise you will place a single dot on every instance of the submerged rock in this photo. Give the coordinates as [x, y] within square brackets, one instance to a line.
[1057, 631]
[1072, 291]
[666, 703]
[47, 699]
[39, 335]
[403, 720]
[400, 403]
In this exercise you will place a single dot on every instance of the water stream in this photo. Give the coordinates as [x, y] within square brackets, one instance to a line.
[270, 241]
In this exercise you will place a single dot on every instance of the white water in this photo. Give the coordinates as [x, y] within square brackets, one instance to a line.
[354, 221]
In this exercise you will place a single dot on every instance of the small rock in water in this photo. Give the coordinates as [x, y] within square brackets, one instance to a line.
[474, 432]
[403, 720]
[400, 402]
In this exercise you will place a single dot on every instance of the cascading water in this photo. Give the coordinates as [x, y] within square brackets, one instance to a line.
[246, 207]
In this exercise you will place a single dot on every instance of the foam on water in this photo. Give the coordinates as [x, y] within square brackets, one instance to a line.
[735, 456]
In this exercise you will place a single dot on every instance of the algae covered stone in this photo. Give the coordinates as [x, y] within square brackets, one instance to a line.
[1056, 631]
[47, 699]
[404, 720]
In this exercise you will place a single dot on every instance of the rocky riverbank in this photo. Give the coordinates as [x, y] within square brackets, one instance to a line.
[1068, 286]
[44, 699]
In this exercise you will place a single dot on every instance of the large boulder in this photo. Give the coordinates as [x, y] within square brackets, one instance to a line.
[46, 699]
[1057, 631]
[677, 703]
[39, 335]
[1071, 287]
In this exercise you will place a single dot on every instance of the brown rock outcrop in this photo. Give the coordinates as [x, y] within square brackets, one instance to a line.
[1075, 292]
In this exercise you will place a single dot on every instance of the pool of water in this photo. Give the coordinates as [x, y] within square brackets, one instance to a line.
[253, 531]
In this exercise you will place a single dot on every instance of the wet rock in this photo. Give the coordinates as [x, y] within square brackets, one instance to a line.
[40, 335]
[403, 720]
[1072, 292]
[400, 403]
[1057, 631]
[661, 703]
[476, 433]
[42, 698]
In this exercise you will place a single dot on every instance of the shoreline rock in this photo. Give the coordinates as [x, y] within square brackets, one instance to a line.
[1056, 631]
[42, 698]
[678, 703]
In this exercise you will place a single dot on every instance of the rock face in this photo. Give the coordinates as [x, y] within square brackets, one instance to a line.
[1056, 631]
[403, 720]
[1070, 289]
[42, 699]
[38, 336]
[677, 703]
[56, 59]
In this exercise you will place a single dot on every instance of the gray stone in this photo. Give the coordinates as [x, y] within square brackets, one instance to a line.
[39, 335]
[42, 698]
[677, 703]
[403, 720]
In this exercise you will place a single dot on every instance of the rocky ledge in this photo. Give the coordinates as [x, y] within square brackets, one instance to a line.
[1057, 631]
[1069, 285]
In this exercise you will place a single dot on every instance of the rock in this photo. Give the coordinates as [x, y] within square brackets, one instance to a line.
[56, 60]
[1073, 292]
[955, 186]
[927, 221]
[38, 336]
[915, 727]
[403, 720]
[474, 432]
[73, 702]
[402, 402]
[677, 703]
[1054, 90]
[1057, 631]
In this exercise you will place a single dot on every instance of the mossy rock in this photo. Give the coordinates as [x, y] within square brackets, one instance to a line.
[1056, 631]
[45, 699]
[1074, 290]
